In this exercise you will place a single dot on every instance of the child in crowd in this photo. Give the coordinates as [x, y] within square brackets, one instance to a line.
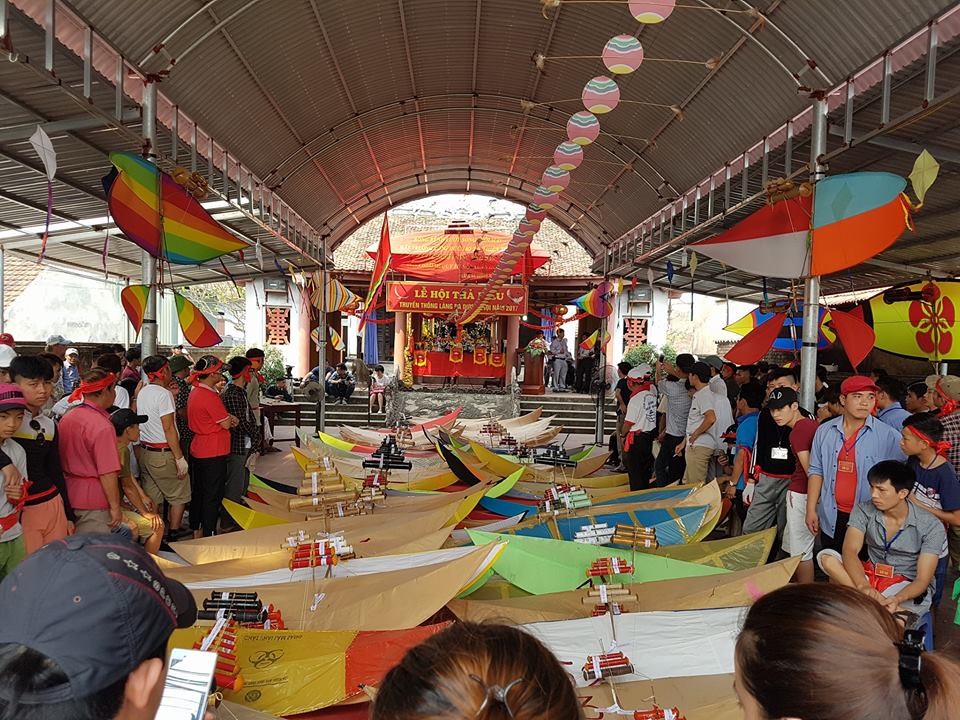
[378, 389]
[937, 489]
[12, 407]
[139, 511]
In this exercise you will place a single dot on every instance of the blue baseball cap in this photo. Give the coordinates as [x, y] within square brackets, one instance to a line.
[96, 605]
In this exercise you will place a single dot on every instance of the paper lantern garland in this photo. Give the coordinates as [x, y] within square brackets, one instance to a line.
[583, 128]
[535, 212]
[568, 156]
[600, 95]
[651, 12]
[545, 198]
[622, 54]
[528, 228]
[555, 179]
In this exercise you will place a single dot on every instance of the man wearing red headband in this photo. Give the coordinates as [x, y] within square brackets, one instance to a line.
[210, 446]
[937, 489]
[88, 455]
[244, 438]
[943, 394]
[162, 463]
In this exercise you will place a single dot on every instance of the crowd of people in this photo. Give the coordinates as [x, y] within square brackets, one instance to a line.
[863, 486]
[144, 447]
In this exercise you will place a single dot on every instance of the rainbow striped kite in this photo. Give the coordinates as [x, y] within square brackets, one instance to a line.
[160, 216]
[591, 340]
[597, 302]
[380, 268]
[197, 330]
[133, 298]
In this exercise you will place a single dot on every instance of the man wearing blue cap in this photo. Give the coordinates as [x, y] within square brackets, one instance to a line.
[85, 628]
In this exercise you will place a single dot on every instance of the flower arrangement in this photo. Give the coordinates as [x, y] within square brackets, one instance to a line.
[537, 346]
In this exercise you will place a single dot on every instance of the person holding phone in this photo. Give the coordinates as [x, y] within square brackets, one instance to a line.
[85, 630]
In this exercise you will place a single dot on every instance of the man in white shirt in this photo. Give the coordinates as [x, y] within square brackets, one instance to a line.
[162, 464]
[709, 417]
[111, 363]
[560, 353]
[717, 383]
[640, 426]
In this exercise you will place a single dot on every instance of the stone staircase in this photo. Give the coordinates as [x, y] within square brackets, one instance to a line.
[576, 412]
[354, 413]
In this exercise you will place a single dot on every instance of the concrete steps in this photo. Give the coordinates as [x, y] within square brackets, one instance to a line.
[576, 412]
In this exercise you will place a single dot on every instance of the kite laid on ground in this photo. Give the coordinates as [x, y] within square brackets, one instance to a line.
[839, 223]
[160, 216]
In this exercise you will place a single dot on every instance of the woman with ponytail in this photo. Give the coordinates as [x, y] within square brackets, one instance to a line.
[828, 652]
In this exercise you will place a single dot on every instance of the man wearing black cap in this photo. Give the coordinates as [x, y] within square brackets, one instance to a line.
[85, 628]
[144, 520]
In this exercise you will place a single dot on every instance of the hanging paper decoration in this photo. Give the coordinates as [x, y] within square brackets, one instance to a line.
[649, 278]
[133, 298]
[197, 330]
[622, 54]
[693, 263]
[528, 228]
[535, 213]
[583, 128]
[597, 301]
[380, 268]
[923, 175]
[258, 251]
[545, 198]
[555, 179]
[338, 297]
[619, 286]
[160, 216]
[600, 95]
[42, 145]
[651, 12]
[568, 156]
[670, 272]
[336, 340]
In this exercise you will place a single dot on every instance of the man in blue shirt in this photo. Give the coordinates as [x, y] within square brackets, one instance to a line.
[749, 402]
[844, 449]
[889, 397]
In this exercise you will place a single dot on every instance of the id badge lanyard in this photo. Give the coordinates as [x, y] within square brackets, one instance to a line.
[845, 451]
[888, 545]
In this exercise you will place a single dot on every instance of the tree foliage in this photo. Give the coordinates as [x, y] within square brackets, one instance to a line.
[220, 297]
[649, 354]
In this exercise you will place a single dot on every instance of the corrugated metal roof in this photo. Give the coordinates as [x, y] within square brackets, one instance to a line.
[347, 107]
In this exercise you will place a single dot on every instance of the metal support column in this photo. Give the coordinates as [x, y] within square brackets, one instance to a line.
[601, 359]
[321, 420]
[3, 305]
[811, 286]
[148, 265]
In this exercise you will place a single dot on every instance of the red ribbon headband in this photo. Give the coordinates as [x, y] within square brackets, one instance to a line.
[89, 388]
[949, 404]
[245, 373]
[940, 447]
[197, 374]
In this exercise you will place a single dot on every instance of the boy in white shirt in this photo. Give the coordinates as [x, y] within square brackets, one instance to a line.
[709, 417]
[163, 467]
[640, 426]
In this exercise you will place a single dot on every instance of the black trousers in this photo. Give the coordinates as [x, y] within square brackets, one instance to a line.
[639, 460]
[839, 533]
[340, 390]
[669, 467]
[584, 374]
[209, 485]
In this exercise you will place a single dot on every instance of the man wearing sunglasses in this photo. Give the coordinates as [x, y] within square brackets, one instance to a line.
[47, 515]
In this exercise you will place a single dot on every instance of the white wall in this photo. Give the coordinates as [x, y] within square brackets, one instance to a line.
[256, 322]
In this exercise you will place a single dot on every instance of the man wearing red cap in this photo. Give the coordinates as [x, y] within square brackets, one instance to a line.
[844, 449]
